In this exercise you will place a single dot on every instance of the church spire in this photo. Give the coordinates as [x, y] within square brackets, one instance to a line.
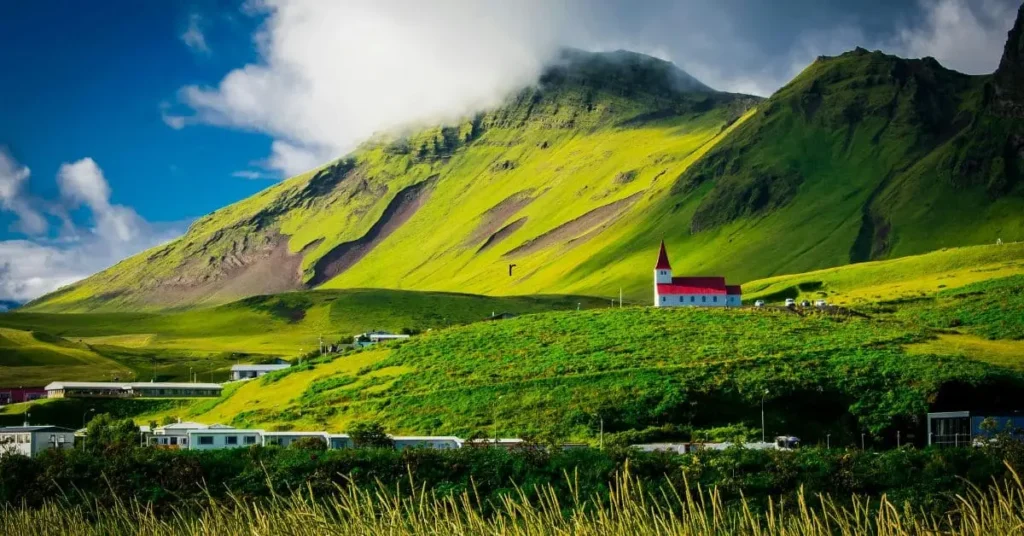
[663, 259]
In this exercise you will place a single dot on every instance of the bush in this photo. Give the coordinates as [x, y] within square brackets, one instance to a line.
[309, 443]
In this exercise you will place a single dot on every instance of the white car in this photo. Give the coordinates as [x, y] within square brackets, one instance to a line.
[759, 303]
[790, 302]
[820, 303]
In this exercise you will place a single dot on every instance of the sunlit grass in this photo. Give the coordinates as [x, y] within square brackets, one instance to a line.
[631, 508]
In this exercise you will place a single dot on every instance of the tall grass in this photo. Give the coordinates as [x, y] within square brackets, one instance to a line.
[631, 508]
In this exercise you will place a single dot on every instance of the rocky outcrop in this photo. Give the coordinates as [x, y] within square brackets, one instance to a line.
[1009, 78]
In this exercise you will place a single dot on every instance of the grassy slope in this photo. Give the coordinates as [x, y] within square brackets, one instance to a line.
[557, 373]
[31, 358]
[894, 279]
[210, 340]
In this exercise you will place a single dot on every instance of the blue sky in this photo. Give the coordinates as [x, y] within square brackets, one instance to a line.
[123, 120]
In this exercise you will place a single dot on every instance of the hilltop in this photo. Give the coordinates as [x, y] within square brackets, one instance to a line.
[576, 179]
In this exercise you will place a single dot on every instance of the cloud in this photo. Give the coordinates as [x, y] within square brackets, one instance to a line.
[31, 268]
[254, 175]
[331, 74]
[13, 178]
[964, 36]
[334, 73]
[194, 37]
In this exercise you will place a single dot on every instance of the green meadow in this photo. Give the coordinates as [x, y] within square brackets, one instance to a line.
[39, 347]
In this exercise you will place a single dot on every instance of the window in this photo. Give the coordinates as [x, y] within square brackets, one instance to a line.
[174, 440]
[715, 299]
[693, 299]
[250, 440]
[680, 299]
[231, 440]
[703, 299]
[206, 440]
[663, 299]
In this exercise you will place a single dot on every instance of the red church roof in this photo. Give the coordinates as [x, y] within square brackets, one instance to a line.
[733, 289]
[693, 285]
[663, 259]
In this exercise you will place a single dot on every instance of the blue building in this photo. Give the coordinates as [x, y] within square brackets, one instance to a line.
[961, 428]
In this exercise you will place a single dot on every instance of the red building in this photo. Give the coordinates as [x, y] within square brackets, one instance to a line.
[13, 395]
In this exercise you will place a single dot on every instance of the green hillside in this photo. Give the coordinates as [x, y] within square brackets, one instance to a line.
[647, 371]
[576, 180]
[896, 279]
[40, 347]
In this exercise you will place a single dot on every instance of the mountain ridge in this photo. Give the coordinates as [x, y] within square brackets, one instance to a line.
[575, 180]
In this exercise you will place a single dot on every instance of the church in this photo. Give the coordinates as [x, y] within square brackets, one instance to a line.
[691, 291]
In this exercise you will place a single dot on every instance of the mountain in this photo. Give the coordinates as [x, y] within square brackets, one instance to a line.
[569, 186]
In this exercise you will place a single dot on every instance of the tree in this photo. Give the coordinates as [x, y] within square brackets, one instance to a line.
[104, 433]
[309, 443]
[370, 435]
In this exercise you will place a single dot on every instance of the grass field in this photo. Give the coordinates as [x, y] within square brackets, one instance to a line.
[39, 347]
[558, 374]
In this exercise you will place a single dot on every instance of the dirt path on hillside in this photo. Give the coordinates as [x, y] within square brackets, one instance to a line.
[346, 255]
[573, 229]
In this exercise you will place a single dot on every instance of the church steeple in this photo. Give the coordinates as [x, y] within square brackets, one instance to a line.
[662, 270]
[663, 263]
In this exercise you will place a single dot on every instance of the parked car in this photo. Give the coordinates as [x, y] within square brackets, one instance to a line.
[820, 303]
[805, 303]
[790, 302]
[759, 303]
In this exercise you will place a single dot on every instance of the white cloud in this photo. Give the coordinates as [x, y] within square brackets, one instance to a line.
[961, 35]
[194, 37]
[253, 175]
[13, 178]
[29, 269]
[331, 74]
[334, 73]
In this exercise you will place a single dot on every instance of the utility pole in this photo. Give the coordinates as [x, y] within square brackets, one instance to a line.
[762, 415]
[620, 297]
[862, 441]
[897, 439]
[828, 441]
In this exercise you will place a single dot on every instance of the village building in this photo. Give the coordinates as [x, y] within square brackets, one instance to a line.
[32, 440]
[374, 337]
[670, 291]
[14, 395]
[175, 435]
[223, 438]
[249, 371]
[131, 390]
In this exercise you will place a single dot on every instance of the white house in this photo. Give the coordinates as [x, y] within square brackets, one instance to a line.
[32, 440]
[672, 291]
[374, 337]
[176, 435]
[284, 439]
[131, 390]
[247, 371]
[223, 438]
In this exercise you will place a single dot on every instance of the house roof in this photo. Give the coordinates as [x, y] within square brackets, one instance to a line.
[663, 263]
[693, 285]
[27, 429]
[187, 425]
[130, 385]
[733, 289]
